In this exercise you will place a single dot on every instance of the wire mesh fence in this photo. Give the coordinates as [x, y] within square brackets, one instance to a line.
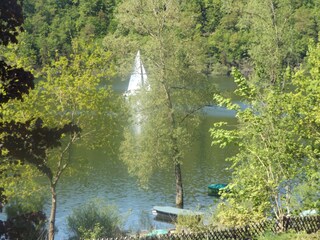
[309, 224]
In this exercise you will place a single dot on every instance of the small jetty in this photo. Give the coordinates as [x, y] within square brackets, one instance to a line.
[214, 189]
[170, 214]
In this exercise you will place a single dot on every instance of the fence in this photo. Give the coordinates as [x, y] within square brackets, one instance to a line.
[308, 224]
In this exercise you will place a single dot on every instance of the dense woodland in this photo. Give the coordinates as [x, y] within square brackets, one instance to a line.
[59, 59]
[234, 31]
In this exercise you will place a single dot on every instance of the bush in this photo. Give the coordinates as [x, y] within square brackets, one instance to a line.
[27, 204]
[25, 219]
[189, 223]
[25, 226]
[94, 220]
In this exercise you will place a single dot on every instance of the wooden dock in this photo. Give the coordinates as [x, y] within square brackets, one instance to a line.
[170, 214]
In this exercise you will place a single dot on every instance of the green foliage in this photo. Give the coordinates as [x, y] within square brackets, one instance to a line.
[15, 82]
[245, 89]
[95, 220]
[230, 28]
[71, 92]
[190, 223]
[95, 233]
[264, 35]
[77, 90]
[278, 139]
[270, 26]
[20, 205]
[210, 14]
[306, 196]
[275, 41]
[228, 43]
[24, 200]
[171, 51]
[306, 98]
[52, 25]
[29, 225]
[23, 193]
[11, 20]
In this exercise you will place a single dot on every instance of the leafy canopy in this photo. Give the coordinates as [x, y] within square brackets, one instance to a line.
[278, 141]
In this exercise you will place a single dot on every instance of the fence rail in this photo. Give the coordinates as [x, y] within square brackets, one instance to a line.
[308, 224]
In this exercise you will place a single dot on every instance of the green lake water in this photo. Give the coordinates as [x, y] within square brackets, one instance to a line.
[106, 178]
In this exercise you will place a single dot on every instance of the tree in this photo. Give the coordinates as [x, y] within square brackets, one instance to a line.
[273, 157]
[70, 96]
[30, 143]
[271, 28]
[51, 25]
[30, 138]
[11, 20]
[276, 40]
[270, 144]
[228, 42]
[306, 101]
[171, 49]
[19, 138]
[278, 151]
[238, 31]
[14, 82]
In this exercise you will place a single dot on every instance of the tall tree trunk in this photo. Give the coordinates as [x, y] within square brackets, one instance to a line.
[53, 212]
[176, 162]
[179, 188]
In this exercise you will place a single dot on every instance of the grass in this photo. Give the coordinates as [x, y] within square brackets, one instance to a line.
[291, 236]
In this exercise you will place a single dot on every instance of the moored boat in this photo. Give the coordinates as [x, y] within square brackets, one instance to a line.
[214, 189]
[170, 214]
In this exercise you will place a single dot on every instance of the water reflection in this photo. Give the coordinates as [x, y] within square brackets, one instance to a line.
[105, 177]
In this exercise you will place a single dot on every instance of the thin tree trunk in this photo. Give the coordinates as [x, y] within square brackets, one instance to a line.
[179, 187]
[177, 165]
[53, 212]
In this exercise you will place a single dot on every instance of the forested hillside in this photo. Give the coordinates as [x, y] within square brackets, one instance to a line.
[233, 30]
[77, 51]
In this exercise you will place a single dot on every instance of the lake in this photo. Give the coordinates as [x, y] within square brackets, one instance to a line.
[106, 178]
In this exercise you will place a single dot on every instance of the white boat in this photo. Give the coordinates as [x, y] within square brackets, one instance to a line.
[138, 81]
[138, 78]
[170, 214]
